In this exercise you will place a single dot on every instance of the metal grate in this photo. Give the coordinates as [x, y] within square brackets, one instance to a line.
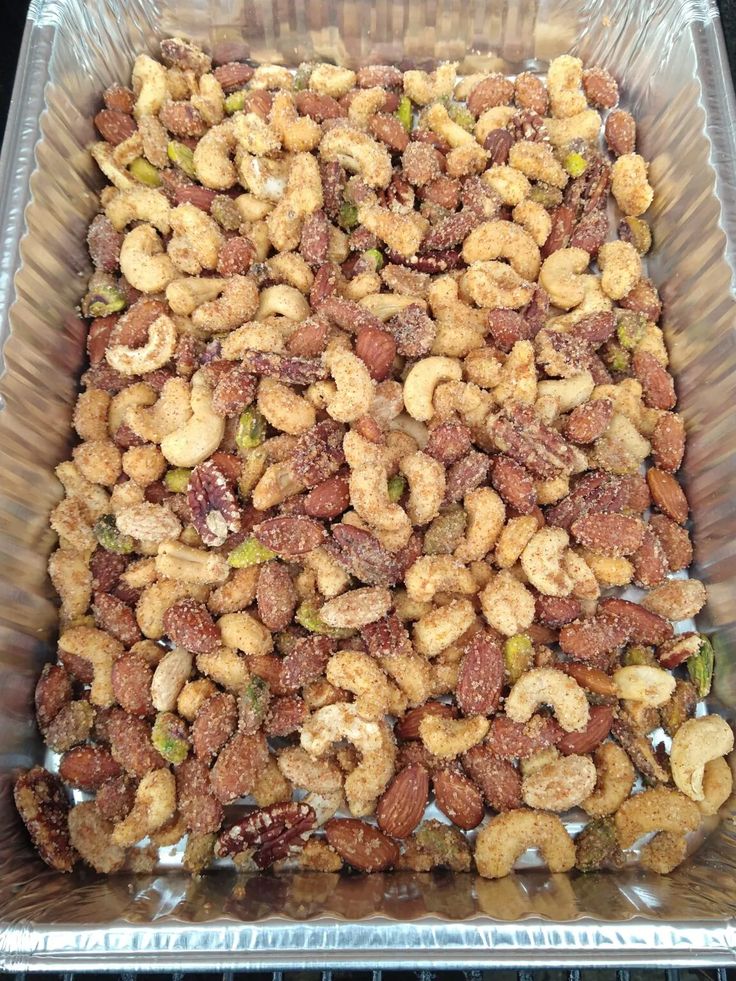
[584, 974]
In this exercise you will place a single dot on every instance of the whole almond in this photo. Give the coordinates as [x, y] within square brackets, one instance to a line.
[115, 126]
[498, 780]
[361, 845]
[458, 798]
[589, 421]
[530, 92]
[377, 349]
[612, 534]
[667, 495]
[650, 561]
[402, 804]
[600, 87]
[514, 484]
[276, 596]
[592, 679]
[587, 640]
[644, 626]
[658, 388]
[511, 740]
[496, 90]
[643, 298]
[675, 541]
[599, 725]
[481, 675]
[390, 131]
[620, 132]
[233, 75]
[563, 219]
[668, 442]
[290, 535]
[329, 498]
[556, 611]
[88, 767]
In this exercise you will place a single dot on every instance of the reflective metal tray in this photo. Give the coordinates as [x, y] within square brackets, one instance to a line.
[669, 57]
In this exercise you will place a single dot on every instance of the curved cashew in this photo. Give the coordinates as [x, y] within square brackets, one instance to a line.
[171, 411]
[402, 233]
[149, 81]
[170, 676]
[361, 674]
[507, 604]
[212, 160]
[644, 683]
[486, 516]
[659, 809]
[561, 276]
[155, 803]
[201, 435]
[282, 301]
[283, 408]
[358, 153]
[331, 80]
[697, 742]
[422, 380]
[298, 134]
[423, 88]
[316, 776]
[585, 125]
[543, 562]
[534, 219]
[507, 836]
[372, 739]
[143, 261]
[102, 153]
[509, 184]
[548, 686]
[357, 607]
[629, 184]
[537, 162]
[504, 240]
[238, 303]
[494, 284]
[432, 574]
[355, 387]
[559, 785]
[174, 560]
[139, 204]
[439, 120]
[620, 264]
[100, 649]
[436, 630]
[564, 79]
[197, 239]
[717, 786]
[369, 497]
[135, 396]
[265, 179]
[518, 376]
[568, 393]
[155, 353]
[254, 135]
[448, 738]
[185, 295]
[615, 778]
[426, 477]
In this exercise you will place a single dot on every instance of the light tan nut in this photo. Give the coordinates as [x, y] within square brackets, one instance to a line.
[486, 515]
[148, 522]
[139, 204]
[494, 284]
[518, 376]
[609, 570]
[401, 233]
[155, 353]
[561, 277]
[717, 786]
[676, 599]
[243, 632]
[644, 683]
[357, 607]
[185, 295]
[321, 776]
[331, 80]
[568, 393]
[254, 135]
[155, 803]
[91, 835]
[170, 676]
[212, 155]
[440, 122]
[615, 778]
[175, 560]
[157, 598]
[196, 240]
[275, 486]
[226, 667]
[423, 379]
[537, 161]
[664, 852]
[431, 574]
[534, 219]
[621, 449]
[436, 630]
[564, 84]
[198, 438]
[629, 184]
[358, 153]
[355, 387]
[426, 478]
[697, 742]
[282, 301]
[149, 81]
[548, 686]
[283, 408]
[100, 649]
[237, 303]
[511, 185]
[449, 738]
[507, 604]
[504, 240]
[144, 262]
[361, 674]
[559, 785]
[543, 562]
[515, 536]
[423, 88]
[620, 264]
[193, 696]
[585, 125]
[501, 842]
[659, 809]
[372, 739]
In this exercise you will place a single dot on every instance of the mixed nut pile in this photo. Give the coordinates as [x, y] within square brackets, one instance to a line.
[373, 385]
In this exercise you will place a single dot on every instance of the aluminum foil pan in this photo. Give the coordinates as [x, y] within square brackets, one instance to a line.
[669, 56]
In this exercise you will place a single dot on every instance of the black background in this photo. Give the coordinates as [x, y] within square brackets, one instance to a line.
[13, 14]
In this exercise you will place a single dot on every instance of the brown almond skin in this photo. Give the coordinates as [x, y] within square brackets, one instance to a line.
[407, 727]
[667, 495]
[668, 443]
[657, 383]
[402, 804]
[592, 679]
[589, 421]
[481, 675]
[88, 767]
[361, 845]
[675, 541]
[650, 561]
[458, 798]
[645, 627]
[613, 534]
[328, 499]
[598, 727]
[587, 640]
[514, 484]
[53, 691]
[556, 611]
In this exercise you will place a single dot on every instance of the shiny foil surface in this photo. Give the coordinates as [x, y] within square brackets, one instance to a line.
[669, 58]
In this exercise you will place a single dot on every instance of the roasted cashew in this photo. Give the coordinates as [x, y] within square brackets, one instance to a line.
[212, 160]
[503, 240]
[548, 686]
[277, 483]
[372, 739]
[254, 135]
[422, 380]
[448, 738]
[436, 630]
[289, 269]
[243, 632]
[564, 80]
[143, 261]
[439, 121]
[494, 284]
[284, 408]
[615, 778]
[155, 803]
[298, 134]
[272, 77]
[238, 303]
[510, 185]
[423, 88]
[513, 539]
[357, 607]
[717, 786]
[185, 295]
[517, 380]
[196, 240]
[157, 598]
[369, 497]
[559, 785]
[333, 80]
[697, 742]
[568, 393]
[561, 276]
[432, 574]
[644, 683]
[137, 395]
[507, 836]
[426, 478]
[358, 153]
[170, 676]
[282, 301]
[585, 126]
[100, 649]
[148, 522]
[303, 196]
[486, 516]
[629, 184]
[139, 204]
[201, 435]
[316, 776]
[171, 411]
[149, 84]
[537, 162]
[534, 219]
[507, 604]
[659, 809]
[355, 386]
[266, 179]
[620, 264]
[402, 233]
[361, 674]
[543, 562]
[175, 560]
[103, 155]
[155, 353]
